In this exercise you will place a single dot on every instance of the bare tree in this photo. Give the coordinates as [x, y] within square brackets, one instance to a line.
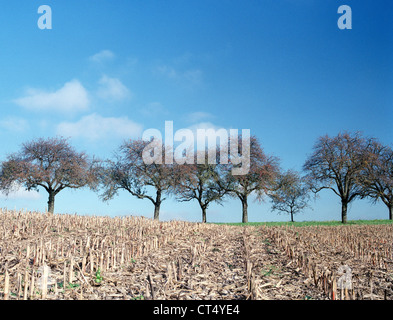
[292, 194]
[132, 173]
[336, 164]
[377, 175]
[260, 179]
[202, 182]
[48, 163]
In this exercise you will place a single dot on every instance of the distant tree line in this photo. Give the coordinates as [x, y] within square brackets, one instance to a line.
[349, 164]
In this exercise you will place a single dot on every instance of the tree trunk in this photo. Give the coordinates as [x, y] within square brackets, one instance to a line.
[245, 212]
[157, 205]
[292, 216]
[203, 215]
[344, 206]
[51, 202]
[157, 211]
[390, 212]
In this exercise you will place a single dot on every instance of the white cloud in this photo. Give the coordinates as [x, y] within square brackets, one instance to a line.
[102, 56]
[96, 127]
[168, 71]
[199, 116]
[204, 125]
[14, 124]
[112, 89]
[20, 193]
[193, 76]
[70, 98]
[153, 109]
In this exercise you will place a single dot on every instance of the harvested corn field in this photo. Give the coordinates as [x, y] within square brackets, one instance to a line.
[45, 256]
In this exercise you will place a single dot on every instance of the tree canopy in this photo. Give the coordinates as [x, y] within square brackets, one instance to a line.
[376, 178]
[336, 164]
[291, 195]
[129, 171]
[52, 164]
[261, 176]
[202, 182]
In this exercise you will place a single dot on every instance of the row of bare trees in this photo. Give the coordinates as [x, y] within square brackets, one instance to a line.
[349, 164]
[202, 181]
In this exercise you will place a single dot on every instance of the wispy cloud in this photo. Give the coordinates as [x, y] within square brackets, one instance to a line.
[153, 109]
[102, 56]
[14, 124]
[198, 116]
[20, 193]
[205, 126]
[193, 76]
[71, 97]
[95, 127]
[112, 89]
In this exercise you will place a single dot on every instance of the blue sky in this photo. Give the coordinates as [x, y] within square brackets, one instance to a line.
[109, 70]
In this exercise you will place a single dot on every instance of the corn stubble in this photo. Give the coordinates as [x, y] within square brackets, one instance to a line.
[62, 257]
